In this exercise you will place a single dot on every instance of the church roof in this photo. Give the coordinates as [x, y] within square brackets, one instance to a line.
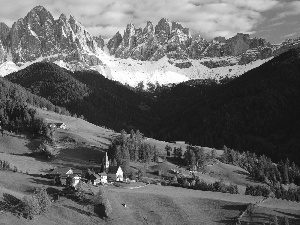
[113, 169]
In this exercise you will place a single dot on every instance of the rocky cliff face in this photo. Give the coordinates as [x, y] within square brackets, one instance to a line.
[151, 43]
[4, 33]
[171, 39]
[38, 34]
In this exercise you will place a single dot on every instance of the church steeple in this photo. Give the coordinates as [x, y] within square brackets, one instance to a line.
[106, 161]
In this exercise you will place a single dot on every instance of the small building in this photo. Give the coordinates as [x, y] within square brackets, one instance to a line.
[115, 173]
[61, 126]
[52, 125]
[103, 177]
[160, 160]
[61, 170]
[66, 176]
[95, 179]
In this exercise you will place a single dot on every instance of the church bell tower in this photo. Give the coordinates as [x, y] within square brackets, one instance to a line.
[106, 161]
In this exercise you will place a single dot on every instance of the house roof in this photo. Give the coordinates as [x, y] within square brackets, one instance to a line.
[160, 160]
[59, 124]
[64, 170]
[102, 174]
[70, 175]
[90, 172]
[96, 176]
[60, 170]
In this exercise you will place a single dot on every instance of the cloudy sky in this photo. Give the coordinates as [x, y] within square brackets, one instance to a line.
[275, 20]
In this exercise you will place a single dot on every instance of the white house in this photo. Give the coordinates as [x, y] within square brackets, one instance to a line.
[61, 126]
[103, 177]
[116, 173]
[95, 179]
[66, 176]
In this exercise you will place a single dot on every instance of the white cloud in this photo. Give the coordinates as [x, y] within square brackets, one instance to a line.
[105, 17]
[256, 5]
[289, 35]
[289, 9]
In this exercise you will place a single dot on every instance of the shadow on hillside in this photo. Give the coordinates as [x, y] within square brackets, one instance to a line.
[33, 144]
[241, 207]
[232, 220]
[100, 210]
[290, 215]
[79, 210]
[11, 204]
[41, 181]
[108, 139]
[248, 178]
[227, 221]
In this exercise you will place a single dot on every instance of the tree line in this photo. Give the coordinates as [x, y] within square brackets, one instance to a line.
[264, 170]
[17, 112]
[131, 147]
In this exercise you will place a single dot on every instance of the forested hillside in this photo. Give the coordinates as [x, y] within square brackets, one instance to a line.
[258, 111]
[16, 113]
[99, 100]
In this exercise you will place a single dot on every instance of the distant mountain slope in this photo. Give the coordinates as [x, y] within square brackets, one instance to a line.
[13, 92]
[258, 111]
[16, 112]
[164, 53]
[88, 93]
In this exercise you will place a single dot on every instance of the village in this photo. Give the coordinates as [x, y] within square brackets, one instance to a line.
[71, 177]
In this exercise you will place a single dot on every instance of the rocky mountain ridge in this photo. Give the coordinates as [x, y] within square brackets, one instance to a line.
[38, 34]
[171, 39]
[163, 53]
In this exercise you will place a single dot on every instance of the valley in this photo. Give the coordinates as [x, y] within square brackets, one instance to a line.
[153, 124]
[83, 141]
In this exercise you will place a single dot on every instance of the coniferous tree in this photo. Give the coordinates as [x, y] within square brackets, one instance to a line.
[168, 149]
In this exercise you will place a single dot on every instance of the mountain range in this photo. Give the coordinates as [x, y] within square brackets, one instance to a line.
[256, 112]
[164, 53]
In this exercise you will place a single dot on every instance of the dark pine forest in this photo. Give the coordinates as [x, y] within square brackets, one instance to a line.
[257, 112]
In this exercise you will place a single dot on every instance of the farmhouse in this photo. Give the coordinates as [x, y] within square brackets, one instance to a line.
[61, 126]
[103, 177]
[52, 125]
[98, 178]
[57, 125]
[66, 176]
[115, 173]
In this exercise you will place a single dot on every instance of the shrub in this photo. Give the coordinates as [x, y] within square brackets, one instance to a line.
[232, 189]
[5, 165]
[43, 199]
[36, 204]
[44, 150]
[141, 174]
[80, 192]
[31, 206]
[108, 208]
[219, 186]
[101, 199]
[258, 191]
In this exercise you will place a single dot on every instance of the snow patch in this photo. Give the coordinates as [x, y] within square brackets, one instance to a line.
[7, 68]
